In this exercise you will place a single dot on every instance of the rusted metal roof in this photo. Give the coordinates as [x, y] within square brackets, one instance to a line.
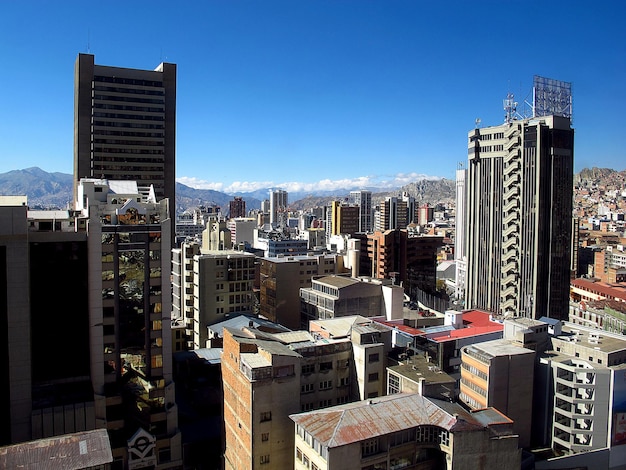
[354, 422]
[66, 452]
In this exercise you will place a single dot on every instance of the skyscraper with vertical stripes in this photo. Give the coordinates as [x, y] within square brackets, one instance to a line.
[519, 217]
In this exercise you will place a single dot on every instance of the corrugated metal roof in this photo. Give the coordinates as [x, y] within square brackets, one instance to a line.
[66, 452]
[354, 422]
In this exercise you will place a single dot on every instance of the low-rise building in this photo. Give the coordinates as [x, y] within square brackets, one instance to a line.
[404, 431]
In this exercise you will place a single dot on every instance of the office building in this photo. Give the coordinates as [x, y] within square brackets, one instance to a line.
[334, 296]
[345, 219]
[404, 431]
[278, 203]
[460, 213]
[242, 230]
[518, 221]
[237, 207]
[371, 343]
[125, 125]
[363, 199]
[223, 284]
[129, 307]
[392, 214]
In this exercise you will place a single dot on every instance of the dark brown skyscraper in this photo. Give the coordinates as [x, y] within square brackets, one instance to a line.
[237, 207]
[125, 124]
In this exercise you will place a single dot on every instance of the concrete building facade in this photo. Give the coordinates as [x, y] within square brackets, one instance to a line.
[490, 376]
[363, 199]
[281, 280]
[518, 224]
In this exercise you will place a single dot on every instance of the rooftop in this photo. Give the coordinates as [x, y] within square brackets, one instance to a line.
[617, 290]
[599, 340]
[500, 347]
[67, 452]
[354, 422]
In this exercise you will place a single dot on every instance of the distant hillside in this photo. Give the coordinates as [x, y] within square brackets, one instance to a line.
[44, 190]
[600, 176]
[187, 197]
[54, 190]
[424, 191]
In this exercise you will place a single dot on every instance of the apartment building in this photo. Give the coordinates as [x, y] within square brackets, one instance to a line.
[338, 296]
[281, 281]
[490, 376]
[586, 369]
[410, 260]
[363, 199]
[403, 431]
[269, 376]
[371, 344]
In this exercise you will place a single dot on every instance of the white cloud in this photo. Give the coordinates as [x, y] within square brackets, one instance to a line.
[196, 183]
[380, 182]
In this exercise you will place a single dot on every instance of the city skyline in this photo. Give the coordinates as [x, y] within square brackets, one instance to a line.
[316, 94]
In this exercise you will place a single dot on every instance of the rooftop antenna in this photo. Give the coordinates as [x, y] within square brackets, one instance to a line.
[477, 122]
[510, 108]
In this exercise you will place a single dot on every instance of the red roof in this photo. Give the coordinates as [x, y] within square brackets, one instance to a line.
[611, 291]
[475, 322]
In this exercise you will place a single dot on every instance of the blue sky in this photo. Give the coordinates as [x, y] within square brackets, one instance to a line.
[316, 94]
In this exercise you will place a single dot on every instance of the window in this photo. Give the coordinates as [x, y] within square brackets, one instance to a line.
[306, 406]
[393, 385]
[307, 388]
[265, 459]
[325, 403]
[308, 369]
[372, 377]
[326, 384]
[373, 357]
[369, 447]
[265, 436]
[326, 366]
[266, 416]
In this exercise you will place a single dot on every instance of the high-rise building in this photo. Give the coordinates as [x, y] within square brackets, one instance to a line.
[344, 219]
[237, 207]
[129, 308]
[519, 217]
[278, 207]
[392, 214]
[125, 125]
[460, 211]
[363, 199]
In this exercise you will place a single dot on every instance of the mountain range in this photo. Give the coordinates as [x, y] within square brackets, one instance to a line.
[54, 191]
